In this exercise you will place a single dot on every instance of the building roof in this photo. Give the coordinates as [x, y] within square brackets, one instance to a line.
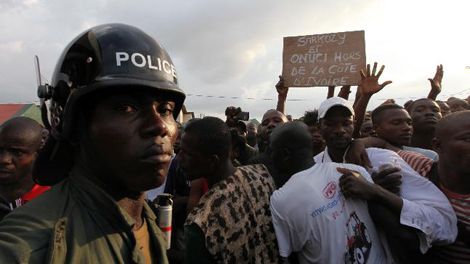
[8, 111]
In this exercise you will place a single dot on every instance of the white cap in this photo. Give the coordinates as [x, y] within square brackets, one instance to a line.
[333, 101]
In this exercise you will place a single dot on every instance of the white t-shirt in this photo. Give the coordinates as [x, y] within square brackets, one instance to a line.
[312, 217]
[425, 207]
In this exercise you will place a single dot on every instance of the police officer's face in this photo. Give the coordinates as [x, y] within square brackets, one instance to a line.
[131, 137]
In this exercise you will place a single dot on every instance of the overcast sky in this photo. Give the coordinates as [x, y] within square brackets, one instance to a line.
[234, 48]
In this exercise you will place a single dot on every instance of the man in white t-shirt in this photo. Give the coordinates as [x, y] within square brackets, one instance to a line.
[312, 217]
[422, 217]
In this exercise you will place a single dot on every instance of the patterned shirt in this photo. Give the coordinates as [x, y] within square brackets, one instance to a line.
[420, 163]
[235, 219]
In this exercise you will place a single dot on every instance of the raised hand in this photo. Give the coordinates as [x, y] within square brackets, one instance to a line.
[436, 82]
[281, 88]
[370, 81]
[281, 95]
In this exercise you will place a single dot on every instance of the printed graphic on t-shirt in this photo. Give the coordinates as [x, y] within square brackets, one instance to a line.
[335, 205]
[330, 190]
[358, 241]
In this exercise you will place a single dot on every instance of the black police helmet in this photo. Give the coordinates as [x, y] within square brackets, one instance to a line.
[106, 58]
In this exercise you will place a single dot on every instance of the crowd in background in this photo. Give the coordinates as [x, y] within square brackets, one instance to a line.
[341, 184]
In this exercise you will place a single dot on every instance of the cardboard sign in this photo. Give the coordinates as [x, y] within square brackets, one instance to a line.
[324, 60]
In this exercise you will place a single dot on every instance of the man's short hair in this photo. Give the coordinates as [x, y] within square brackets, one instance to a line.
[378, 112]
[310, 118]
[26, 126]
[212, 134]
[291, 135]
[411, 106]
[443, 124]
[283, 116]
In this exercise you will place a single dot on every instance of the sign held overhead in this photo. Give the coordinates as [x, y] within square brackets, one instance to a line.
[324, 59]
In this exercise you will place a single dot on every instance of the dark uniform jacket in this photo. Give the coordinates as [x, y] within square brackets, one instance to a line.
[75, 222]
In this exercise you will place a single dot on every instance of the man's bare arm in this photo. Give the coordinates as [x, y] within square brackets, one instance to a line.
[281, 95]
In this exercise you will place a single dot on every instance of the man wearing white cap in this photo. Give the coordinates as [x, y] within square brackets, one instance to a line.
[414, 215]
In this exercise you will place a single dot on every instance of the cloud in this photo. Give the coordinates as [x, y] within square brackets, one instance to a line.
[11, 47]
[234, 48]
[8, 5]
[30, 3]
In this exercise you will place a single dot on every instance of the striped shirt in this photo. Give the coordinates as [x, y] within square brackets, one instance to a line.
[420, 163]
[459, 251]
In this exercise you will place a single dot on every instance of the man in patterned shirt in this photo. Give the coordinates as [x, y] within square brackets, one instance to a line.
[232, 222]
[452, 142]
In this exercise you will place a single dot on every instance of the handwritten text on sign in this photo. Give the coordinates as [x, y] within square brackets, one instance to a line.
[323, 60]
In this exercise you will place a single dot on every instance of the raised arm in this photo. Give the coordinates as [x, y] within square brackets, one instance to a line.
[344, 92]
[368, 87]
[331, 91]
[436, 83]
[281, 95]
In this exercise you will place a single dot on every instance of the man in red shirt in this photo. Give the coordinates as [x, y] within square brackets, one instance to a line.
[20, 139]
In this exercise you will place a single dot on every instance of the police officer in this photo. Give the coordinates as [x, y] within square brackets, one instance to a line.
[113, 102]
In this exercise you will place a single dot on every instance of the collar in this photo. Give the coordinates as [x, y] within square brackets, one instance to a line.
[326, 156]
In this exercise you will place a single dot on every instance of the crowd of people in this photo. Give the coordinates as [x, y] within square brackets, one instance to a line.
[341, 184]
